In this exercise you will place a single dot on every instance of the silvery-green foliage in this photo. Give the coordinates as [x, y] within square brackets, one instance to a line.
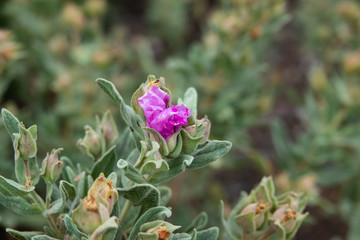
[119, 196]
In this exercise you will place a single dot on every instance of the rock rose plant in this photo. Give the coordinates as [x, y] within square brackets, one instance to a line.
[122, 195]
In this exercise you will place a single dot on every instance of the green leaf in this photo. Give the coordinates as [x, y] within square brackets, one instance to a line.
[176, 166]
[152, 214]
[144, 195]
[208, 234]
[105, 164]
[22, 235]
[81, 185]
[11, 122]
[72, 228]
[299, 221]
[130, 172]
[189, 143]
[34, 170]
[134, 100]
[180, 236]
[247, 222]
[67, 191]
[225, 224]
[212, 151]
[190, 100]
[106, 231]
[156, 136]
[109, 88]
[20, 171]
[165, 195]
[18, 205]
[280, 232]
[10, 188]
[199, 222]
[124, 144]
[43, 237]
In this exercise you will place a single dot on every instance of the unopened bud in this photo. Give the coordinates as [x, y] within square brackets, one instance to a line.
[25, 142]
[90, 145]
[51, 166]
[287, 218]
[158, 229]
[200, 128]
[108, 128]
[253, 212]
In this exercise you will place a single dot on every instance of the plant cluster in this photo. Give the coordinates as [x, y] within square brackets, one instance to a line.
[121, 196]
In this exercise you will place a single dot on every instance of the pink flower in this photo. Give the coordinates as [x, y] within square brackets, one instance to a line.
[166, 121]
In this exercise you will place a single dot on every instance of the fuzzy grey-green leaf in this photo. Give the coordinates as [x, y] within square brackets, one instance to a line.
[9, 188]
[144, 195]
[152, 214]
[22, 235]
[11, 122]
[212, 151]
[18, 205]
[72, 228]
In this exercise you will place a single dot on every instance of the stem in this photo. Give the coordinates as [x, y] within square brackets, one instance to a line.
[267, 234]
[49, 189]
[40, 202]
[124, 212]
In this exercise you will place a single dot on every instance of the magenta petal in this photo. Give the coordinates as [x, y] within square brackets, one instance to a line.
[163, 95]
[170, 120]
[153, 102]
[166, 121]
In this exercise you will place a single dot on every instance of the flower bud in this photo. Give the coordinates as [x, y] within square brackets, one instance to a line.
[108, 128]
[200, 128]
[150, 160]
[252, 217]
[158, 230]
[25, 142]
[96, 207]
[51, 166]
[287, 217]
[90, 145]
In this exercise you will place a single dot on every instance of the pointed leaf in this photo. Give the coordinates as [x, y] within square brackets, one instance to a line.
[176, 166]
[11, 122]
[152, 214]
[72, 228]
[67, 192]
[212, 151]
[208, 234]
[22, 235]
[18, 205]
[144, 195]
[199, 222]
[106, 164]
[9, 188]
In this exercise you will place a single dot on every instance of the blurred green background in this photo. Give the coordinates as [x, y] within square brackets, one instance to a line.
[278, 78]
